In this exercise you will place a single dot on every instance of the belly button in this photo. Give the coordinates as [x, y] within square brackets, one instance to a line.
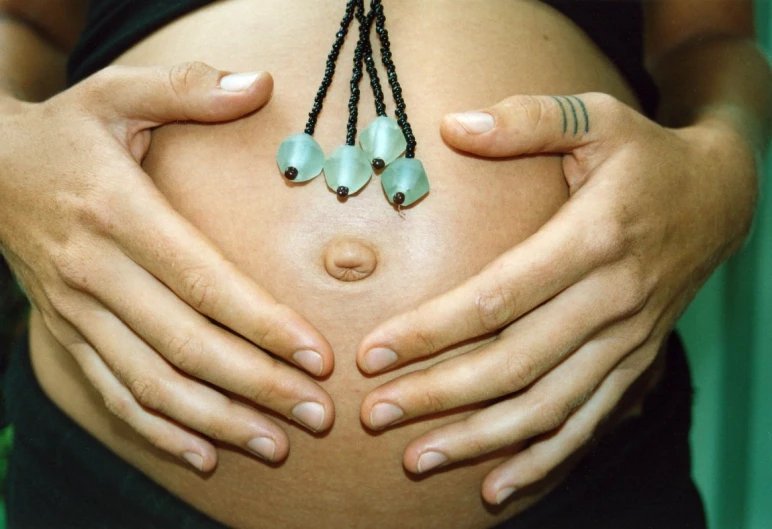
[349, 260]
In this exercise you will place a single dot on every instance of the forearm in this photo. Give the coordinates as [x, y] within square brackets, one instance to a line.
[717, 78]
[721, 87]
[35, 38]
[31, 67]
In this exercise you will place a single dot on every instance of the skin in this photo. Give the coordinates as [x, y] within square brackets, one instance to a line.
[620, 291]
[85, 214]
[583, 306]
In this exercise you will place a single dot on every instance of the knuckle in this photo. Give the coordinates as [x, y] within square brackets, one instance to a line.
[496, 307]
[427, 339]
[608, 239]
[184, 76]
[551, 415]
[635, 293]
[199, 289]
[520, 371]
[271, 331]
[274, 387]
[433, 401]
[148, 393]
[185, 351]
[217, 429]
[97, 214]
[478, 444]
[119, 405]
[72, 268]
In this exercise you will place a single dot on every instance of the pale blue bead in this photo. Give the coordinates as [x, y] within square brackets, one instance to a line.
[383, 139]
[347, 167]
[303, 153]
[407, 176]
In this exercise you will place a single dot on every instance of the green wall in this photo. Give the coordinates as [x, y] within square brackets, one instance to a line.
[728, 333]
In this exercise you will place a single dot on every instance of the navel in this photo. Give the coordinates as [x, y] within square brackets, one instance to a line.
[349, 260]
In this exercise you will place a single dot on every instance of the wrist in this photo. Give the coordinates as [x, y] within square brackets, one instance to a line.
[726, 158]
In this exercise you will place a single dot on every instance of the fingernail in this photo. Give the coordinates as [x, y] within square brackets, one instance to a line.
[384, 413]
[430, 460]
[379, 358]
[263, 447]
[310, 414]
[238, 82]
[195, 460]
[503, 494]
[311, 360]
[475, 122]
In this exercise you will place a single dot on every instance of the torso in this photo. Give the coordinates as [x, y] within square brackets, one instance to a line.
[451, 55]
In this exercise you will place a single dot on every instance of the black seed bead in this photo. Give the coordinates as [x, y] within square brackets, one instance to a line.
[378, 164]
[291, 173]
[342, 191]
[399, 198]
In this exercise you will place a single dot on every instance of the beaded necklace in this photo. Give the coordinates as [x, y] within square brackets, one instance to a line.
[349, 168]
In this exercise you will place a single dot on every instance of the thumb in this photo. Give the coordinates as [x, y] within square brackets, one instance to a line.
[190, 91]
[530, 125]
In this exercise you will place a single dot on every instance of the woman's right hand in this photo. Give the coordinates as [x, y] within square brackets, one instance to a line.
[173, 336]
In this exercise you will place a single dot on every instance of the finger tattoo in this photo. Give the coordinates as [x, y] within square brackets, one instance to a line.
[573, 113]
[563, 110]
[584, 113]
[562, 101]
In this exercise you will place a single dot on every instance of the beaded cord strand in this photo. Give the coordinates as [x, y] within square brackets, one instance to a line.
[348, 168]
[300, 157]
[383, 139]
[356, 78]
[372, 71]
[329, 70]
[391, 71]
[404, 180]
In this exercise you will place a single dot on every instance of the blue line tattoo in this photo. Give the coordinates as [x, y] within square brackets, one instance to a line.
[573, 111]
[584, 111]
[563, 110]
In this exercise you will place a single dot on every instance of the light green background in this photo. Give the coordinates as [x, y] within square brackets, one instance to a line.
[728, 333]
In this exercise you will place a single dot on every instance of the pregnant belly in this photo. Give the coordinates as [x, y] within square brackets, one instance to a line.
[348, 265]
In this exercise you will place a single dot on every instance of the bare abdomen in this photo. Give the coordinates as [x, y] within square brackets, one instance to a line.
[451, 55]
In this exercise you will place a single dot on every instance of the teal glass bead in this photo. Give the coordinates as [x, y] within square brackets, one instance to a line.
[300, 158]
[383, 139]
[347, 170]
[405, 181]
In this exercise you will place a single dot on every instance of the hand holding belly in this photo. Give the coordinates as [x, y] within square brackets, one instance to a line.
[581, 307]
[136, 294]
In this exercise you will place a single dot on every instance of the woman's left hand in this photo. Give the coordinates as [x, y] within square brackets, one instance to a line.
[581, 307]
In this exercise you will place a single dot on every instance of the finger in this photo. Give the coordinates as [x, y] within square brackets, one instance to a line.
[535, 462]
[543, 408]
[516, 358]
[156, 386]
[190, 91]
[203, 350]
[514, 284]
[160, 432]
[527, 124]
[171, 249]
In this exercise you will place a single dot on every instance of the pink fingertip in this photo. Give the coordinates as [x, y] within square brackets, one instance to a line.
[504, 494]
[195, 460]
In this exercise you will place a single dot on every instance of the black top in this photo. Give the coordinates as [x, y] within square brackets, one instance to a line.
[113, 26]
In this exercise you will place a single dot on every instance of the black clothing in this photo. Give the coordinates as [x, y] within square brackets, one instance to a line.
[113, 26]
[636, 477]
